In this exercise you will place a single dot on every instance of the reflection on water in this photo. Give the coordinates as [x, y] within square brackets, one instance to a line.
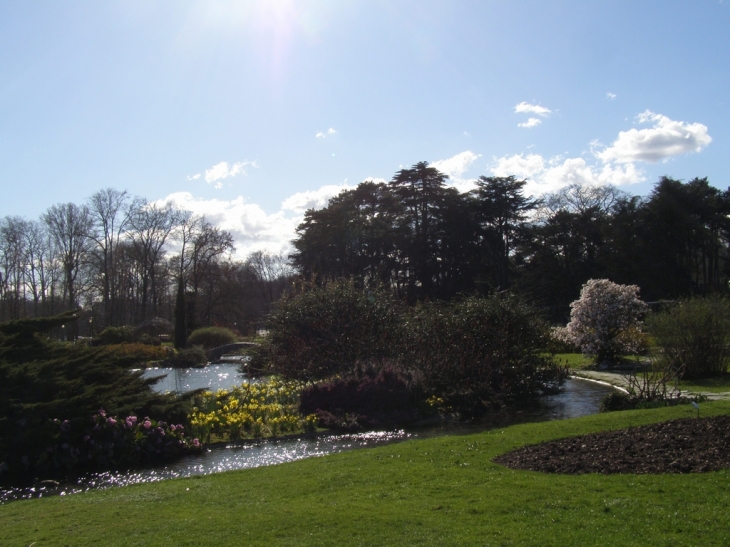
[578, 398]
[213, 377]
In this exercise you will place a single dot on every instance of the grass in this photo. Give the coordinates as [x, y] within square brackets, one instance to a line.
[576, 361]
[442, 491]
[717, 384]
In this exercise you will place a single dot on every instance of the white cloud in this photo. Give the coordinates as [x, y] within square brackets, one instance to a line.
[610, 96]
[252, 228]
[313, 199]
[527, 108]
[376, 180]
[194, 177]
[519, 165]
[222, 170]
[665, 139]
[532, 122]
[323, 134]
[548, 175]
[455, 167]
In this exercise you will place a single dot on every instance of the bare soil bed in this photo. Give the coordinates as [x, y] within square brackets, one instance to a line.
[686, 445]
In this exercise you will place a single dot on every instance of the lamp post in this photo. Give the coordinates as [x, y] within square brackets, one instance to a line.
[63, 333]
[91, 326]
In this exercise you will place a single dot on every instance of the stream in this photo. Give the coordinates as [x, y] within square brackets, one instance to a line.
[577, 398]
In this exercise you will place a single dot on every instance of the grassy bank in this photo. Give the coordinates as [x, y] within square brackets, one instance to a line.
[443, 491]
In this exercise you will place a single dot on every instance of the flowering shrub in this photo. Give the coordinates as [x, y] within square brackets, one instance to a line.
[250, 410]
[372, 398]
[105, 442]
[605, 321]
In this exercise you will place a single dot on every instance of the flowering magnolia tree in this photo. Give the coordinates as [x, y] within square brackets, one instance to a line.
[605, 321]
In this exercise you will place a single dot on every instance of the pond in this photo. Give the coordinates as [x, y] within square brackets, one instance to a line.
[578, 398]
[213, 377]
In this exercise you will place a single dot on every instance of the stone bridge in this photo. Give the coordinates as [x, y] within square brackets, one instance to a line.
[216, 353]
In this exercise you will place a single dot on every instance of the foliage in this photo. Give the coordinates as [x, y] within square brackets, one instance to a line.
[140, 352]
[481, 353]
[116, 335]
[41, 380]
[694, 336]
[329, 329]
[605, 321]
[211, 337]
[106, 442]
[194, 356]
[371, 398]
[250, 410]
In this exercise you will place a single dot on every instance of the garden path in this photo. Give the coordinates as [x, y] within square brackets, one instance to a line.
[617, 379]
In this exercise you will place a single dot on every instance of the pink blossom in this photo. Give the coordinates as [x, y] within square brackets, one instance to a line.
[102, 413]
[147, 424]
[111, 421]
[196, 443]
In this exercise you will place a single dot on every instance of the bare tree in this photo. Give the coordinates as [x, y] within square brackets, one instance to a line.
[111, 215]
[271, 274]
[150, 227]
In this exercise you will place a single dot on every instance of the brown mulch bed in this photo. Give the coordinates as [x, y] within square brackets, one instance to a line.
[686, 445]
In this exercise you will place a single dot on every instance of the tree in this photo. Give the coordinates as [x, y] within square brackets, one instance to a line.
[501, 210]
[111, 214]
[150, 226]
[70, 227]
[605, 320]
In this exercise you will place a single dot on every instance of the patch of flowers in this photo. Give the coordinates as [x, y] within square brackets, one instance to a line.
[104, 442]
[250, 411]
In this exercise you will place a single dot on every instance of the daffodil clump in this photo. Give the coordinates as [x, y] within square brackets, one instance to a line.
[250, 411]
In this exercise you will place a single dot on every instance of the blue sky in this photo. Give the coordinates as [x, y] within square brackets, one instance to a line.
[252, 111]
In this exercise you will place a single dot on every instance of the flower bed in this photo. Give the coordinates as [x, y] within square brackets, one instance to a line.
[250, 411]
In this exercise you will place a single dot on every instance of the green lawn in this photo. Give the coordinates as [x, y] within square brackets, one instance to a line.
[575, 361]
[717, 384]
[442, 491]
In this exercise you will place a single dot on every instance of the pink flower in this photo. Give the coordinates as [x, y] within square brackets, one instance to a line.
[111, 421]
[196, 443]
[102, 413]
[147, 424]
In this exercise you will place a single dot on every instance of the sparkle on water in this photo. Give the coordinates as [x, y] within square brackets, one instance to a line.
[578, 398]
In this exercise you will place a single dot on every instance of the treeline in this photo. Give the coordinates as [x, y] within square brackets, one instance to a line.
[427, 241]
[122, 259]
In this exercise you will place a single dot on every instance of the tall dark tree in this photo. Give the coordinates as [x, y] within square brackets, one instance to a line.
[501, 211]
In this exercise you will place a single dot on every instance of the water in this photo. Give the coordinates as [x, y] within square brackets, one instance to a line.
[578, 398]
[213, 377]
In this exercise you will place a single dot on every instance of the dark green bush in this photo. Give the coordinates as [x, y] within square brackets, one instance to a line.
[693, 337]
[323, 331]
[481, 353]
[375, 397]
[211, 337]
[117, 335]
[42, 380]
[194, 356]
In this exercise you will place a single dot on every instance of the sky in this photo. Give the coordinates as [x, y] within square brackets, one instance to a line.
[250, 112]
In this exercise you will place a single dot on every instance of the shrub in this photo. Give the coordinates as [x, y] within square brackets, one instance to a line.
[106, 442]
[371, 398]
[328, 330]
[188, 357]
[481, 353]
[694, 336]
[211, 337]
[140, 352]
[41, 379]
[116, 335]
[605, 321]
